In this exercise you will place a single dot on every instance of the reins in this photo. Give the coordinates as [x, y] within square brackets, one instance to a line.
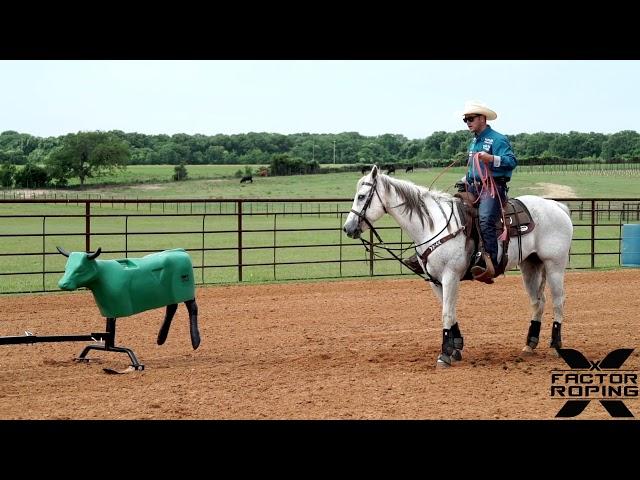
[487, 182]
[369, 246]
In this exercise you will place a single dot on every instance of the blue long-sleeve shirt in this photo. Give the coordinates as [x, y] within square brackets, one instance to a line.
[496, 144]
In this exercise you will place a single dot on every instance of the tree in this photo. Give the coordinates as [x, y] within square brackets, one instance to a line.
[392, 143]
[180, 172]
[621, 144]
[31, 176]
[87, 154]
[285, 164]
[7, 174]
[455, 144]
[432, 145]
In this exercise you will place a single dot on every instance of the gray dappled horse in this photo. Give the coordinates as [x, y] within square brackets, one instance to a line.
[430, 216]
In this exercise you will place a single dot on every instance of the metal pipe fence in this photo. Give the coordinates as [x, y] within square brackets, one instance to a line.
[242, 240]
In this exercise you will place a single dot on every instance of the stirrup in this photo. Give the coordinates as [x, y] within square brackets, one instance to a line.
[484, 274]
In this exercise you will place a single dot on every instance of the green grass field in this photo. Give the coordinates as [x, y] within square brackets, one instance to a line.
[217, 181]
[314, 234]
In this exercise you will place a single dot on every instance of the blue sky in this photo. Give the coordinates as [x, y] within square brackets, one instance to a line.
[413, 98]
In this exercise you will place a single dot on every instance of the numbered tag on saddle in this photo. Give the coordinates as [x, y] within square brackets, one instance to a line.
[517, 217]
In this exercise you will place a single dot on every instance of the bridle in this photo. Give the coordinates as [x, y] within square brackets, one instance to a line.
[362, 213]
[363, 218]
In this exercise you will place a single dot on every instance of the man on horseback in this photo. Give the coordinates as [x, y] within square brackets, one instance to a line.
[490, 165]
[491, 161]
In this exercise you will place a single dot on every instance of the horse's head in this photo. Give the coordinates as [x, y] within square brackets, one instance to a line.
[367, 205]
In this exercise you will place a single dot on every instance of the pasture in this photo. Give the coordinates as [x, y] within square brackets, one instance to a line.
[268, 238]
[315, 350]
[217, 181]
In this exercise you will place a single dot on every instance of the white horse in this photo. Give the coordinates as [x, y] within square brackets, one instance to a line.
[430, 216]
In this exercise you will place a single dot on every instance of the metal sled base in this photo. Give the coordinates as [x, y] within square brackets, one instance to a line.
[106, 339]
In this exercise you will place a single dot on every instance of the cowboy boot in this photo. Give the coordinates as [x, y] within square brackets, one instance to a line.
[413, 263]
[484, 273]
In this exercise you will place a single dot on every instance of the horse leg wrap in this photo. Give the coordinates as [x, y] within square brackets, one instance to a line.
[533, 336]
[447, 342]
[458, 340]
[556, 335]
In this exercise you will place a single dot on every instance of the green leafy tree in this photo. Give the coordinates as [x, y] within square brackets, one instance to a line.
[180, 172]
[455, 144]
[31, 176]
[7, 174]
[285, 164]
[87, 154]
[622, 144]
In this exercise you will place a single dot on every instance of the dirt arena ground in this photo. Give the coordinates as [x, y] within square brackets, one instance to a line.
[325, 350]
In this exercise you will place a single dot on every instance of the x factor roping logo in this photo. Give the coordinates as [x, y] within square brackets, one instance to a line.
[602, 380]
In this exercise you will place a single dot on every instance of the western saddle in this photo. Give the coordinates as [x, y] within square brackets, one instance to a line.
[518, 221]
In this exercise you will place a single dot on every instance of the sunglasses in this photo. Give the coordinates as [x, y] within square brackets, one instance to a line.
[470, 119]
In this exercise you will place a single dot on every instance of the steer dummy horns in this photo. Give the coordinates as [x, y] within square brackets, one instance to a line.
[90, 256]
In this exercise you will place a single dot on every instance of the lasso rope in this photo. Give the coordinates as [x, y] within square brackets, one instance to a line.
[444, 170]
[487, 183]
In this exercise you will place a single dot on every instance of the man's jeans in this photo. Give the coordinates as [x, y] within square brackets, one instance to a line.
[488, 213]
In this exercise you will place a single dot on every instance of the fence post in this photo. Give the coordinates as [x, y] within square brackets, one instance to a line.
[275, 229]
[401, 251]
[340, 235]
[593, 233]
[620, 243]
[239, 240]
[202, 253]
[581, 209]
[87, 226]
[371, 252]
[44, 256]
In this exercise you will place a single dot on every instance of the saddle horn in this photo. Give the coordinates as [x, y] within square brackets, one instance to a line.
[62, 251]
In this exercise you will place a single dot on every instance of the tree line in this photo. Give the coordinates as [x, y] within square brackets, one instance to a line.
[86, 154]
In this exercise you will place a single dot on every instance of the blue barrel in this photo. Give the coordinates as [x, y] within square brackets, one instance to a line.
[630, 245]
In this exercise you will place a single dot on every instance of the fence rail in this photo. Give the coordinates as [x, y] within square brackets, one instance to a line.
[240, 240]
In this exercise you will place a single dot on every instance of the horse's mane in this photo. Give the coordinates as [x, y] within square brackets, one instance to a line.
[413, 196]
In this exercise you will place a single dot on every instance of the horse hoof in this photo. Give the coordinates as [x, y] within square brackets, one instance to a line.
[444, 361]
[527, 350]
[456, 355]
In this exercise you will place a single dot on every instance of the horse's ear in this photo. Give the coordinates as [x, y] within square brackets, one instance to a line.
[374, 172]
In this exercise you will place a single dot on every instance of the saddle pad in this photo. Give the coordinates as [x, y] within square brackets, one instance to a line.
[517, 217]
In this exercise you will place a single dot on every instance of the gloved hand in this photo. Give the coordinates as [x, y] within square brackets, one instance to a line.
[460, 186]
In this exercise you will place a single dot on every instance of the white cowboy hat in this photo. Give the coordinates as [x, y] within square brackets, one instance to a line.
[474, 106]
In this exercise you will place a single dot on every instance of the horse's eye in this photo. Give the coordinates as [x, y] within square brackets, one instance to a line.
[360, 198]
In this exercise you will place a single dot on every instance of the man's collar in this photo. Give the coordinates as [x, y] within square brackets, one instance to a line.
[483, 132]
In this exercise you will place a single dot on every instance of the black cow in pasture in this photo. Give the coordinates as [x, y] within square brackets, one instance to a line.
[247, 179]
[390, 169]
[364, 170]
[409, 169]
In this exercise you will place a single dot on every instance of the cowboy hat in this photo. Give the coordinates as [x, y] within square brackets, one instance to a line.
[474, 106]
